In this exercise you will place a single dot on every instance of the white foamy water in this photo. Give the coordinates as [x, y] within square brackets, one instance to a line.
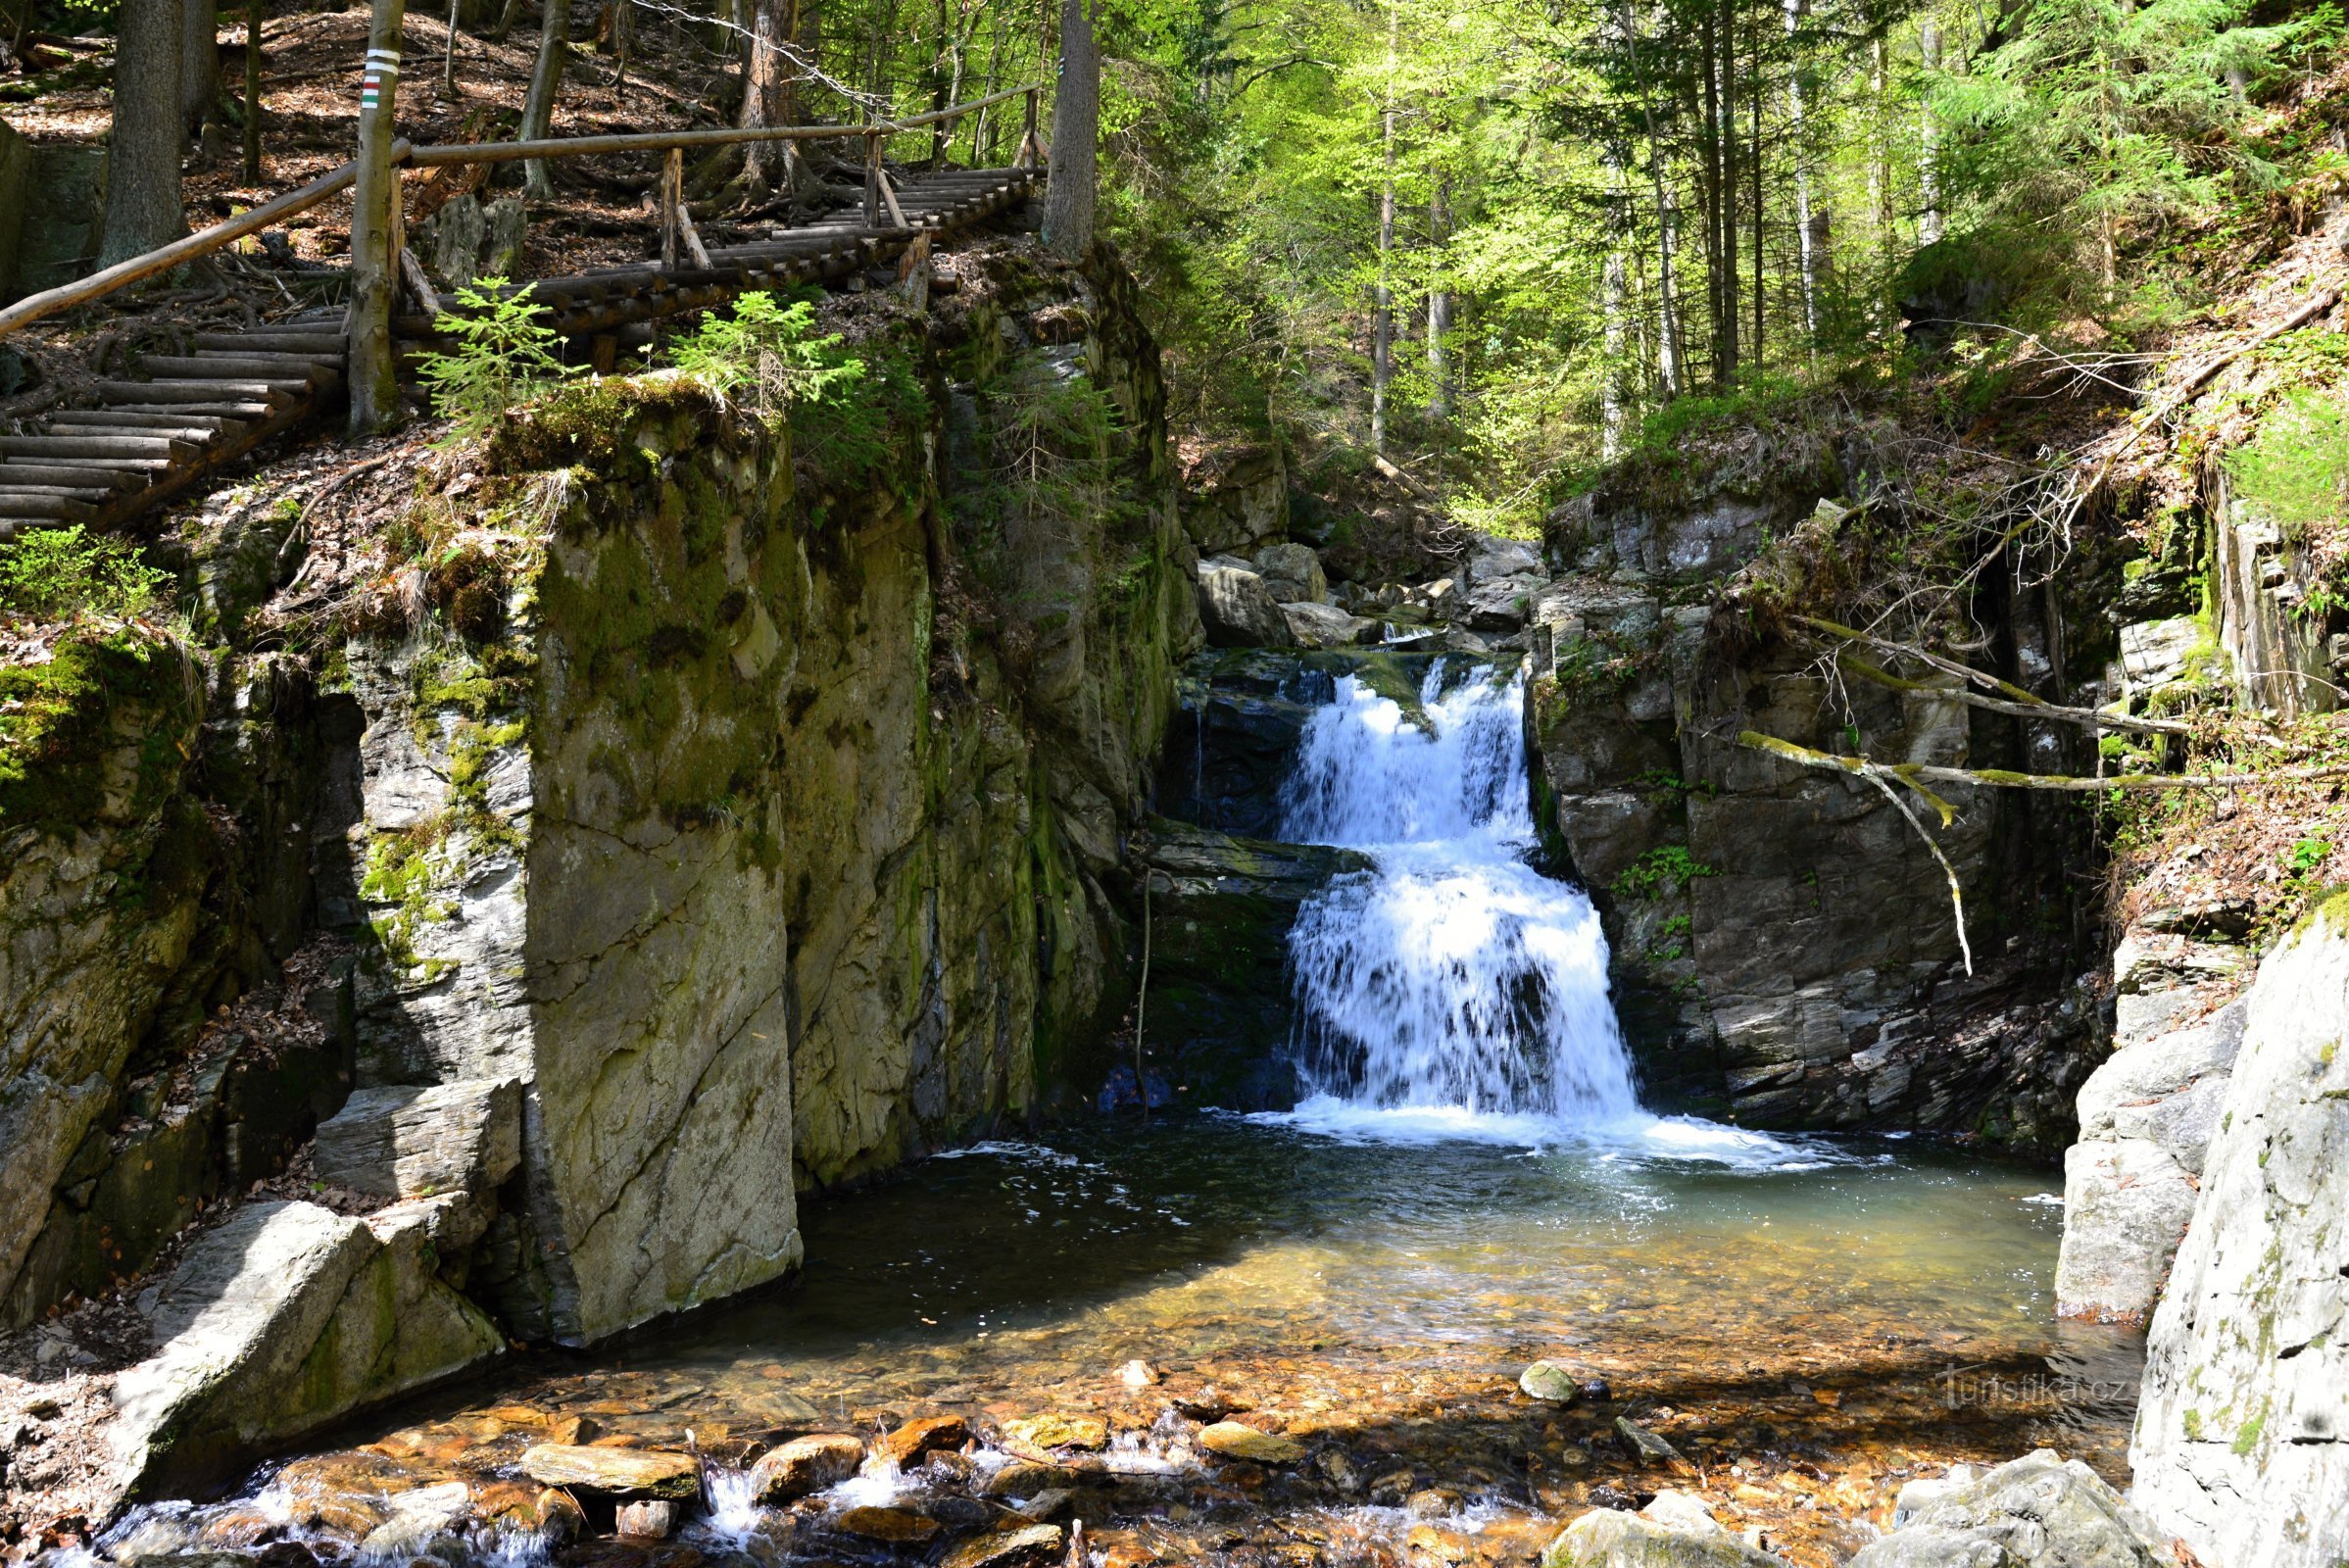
[1454, 992]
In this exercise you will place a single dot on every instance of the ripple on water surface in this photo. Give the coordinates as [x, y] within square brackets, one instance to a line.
[1809, 1320]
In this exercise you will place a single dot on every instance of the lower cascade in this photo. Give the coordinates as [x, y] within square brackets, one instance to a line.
[1453, 978]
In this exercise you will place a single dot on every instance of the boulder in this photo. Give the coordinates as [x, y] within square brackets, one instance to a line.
[1490, 557]
[805, 1465]
[922, 1435]
[1500, 603]
[2241, 1444]
[1234, 498]
[286, 1317]
[411, 1141]
[2039, 1511]
[1607, 1539]
[1239, 611]
[619, 1473]
[1318, 625]
[1293, 573]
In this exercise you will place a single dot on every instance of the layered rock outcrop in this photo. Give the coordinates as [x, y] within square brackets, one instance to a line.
[689, 813]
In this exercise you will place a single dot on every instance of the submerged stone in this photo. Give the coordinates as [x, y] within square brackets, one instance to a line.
[1547, 1380]
[1234, 1440]
[1004, 1549]
[614, 1472]
[1086, 1432]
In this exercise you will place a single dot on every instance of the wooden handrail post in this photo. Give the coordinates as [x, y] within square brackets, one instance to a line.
[1027, 135]
[672, 197]
[872, 179]
[372, 367]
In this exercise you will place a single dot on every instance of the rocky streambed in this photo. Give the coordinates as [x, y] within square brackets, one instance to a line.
[1241, 1341]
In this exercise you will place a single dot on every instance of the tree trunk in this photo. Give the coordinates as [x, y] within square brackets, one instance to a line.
[255, 12]
[1382, 314]
[1668, 330]
[1929, 174]
[1808, 262]
[1710, 183]
[199, 62]
[1069, 185]
[143, 208]
[1729, 353]
[546, 80]
[1753, 101]
[1440, 304]
[766, 92]
[507, 14]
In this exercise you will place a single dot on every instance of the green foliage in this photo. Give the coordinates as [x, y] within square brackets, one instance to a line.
[1042, 466]
[2296, 467]
[771, 348]
[1661, 872]
[64, 574]
[2304, 856]
[505, 357]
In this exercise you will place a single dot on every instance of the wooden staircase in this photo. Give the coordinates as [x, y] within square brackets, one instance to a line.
[196, 412]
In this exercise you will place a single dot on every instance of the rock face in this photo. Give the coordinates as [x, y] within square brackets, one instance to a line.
[2242, 1437]
[1236, 498]
[1783, 944]
[1220, 910]
[2146, 1119]
[696, 821]
[2037, 1512]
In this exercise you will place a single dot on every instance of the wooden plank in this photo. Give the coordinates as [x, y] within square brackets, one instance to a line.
[321, 345]
[237, 411]
[196, 430]
[145, 465]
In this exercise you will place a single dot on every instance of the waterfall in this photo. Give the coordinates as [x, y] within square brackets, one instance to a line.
[1451, 979]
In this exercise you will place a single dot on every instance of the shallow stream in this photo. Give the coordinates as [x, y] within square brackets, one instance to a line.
[1469, 1186]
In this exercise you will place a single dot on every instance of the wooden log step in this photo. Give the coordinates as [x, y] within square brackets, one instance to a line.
[69, 477]
[233, 412]
[148, 394]
[92, 465]
[78, 492]
[96, 446]
[315, 345]
[197, 428]
[258, 366]
[31, 505]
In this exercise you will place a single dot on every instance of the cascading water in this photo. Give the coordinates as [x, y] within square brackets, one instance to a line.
[1453, 979]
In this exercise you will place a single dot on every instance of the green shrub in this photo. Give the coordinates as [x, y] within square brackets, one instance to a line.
[768, 347]
[64, 574]
[504, 358]
[2296, 467]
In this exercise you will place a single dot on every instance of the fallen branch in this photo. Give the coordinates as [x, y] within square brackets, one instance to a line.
[1916, 775]
[2014, 699]
[1957, 897]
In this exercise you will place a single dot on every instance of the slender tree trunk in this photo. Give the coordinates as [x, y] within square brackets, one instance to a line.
[507, 14]
[374, 388]
[1929, 130]
[199, 62]
[1668, 330]
[1382, 318]
[1802, 178]
[1070, 182]
[546, 82]
[1711, 183]
[1729, 353]
[255, 10]
[1753, 102]
[143, 208]
[1439, 302]
[1613, 410]
[448, 52]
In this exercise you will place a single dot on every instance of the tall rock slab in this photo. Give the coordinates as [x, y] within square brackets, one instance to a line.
[2242, 1437]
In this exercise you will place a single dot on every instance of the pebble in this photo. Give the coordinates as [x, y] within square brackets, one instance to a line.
[1547, 1380]
[1138, 1374]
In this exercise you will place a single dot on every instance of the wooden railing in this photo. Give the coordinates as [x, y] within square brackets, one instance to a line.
[879, 195]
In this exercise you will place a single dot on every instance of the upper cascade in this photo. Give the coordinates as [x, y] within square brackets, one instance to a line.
[1453, 977]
